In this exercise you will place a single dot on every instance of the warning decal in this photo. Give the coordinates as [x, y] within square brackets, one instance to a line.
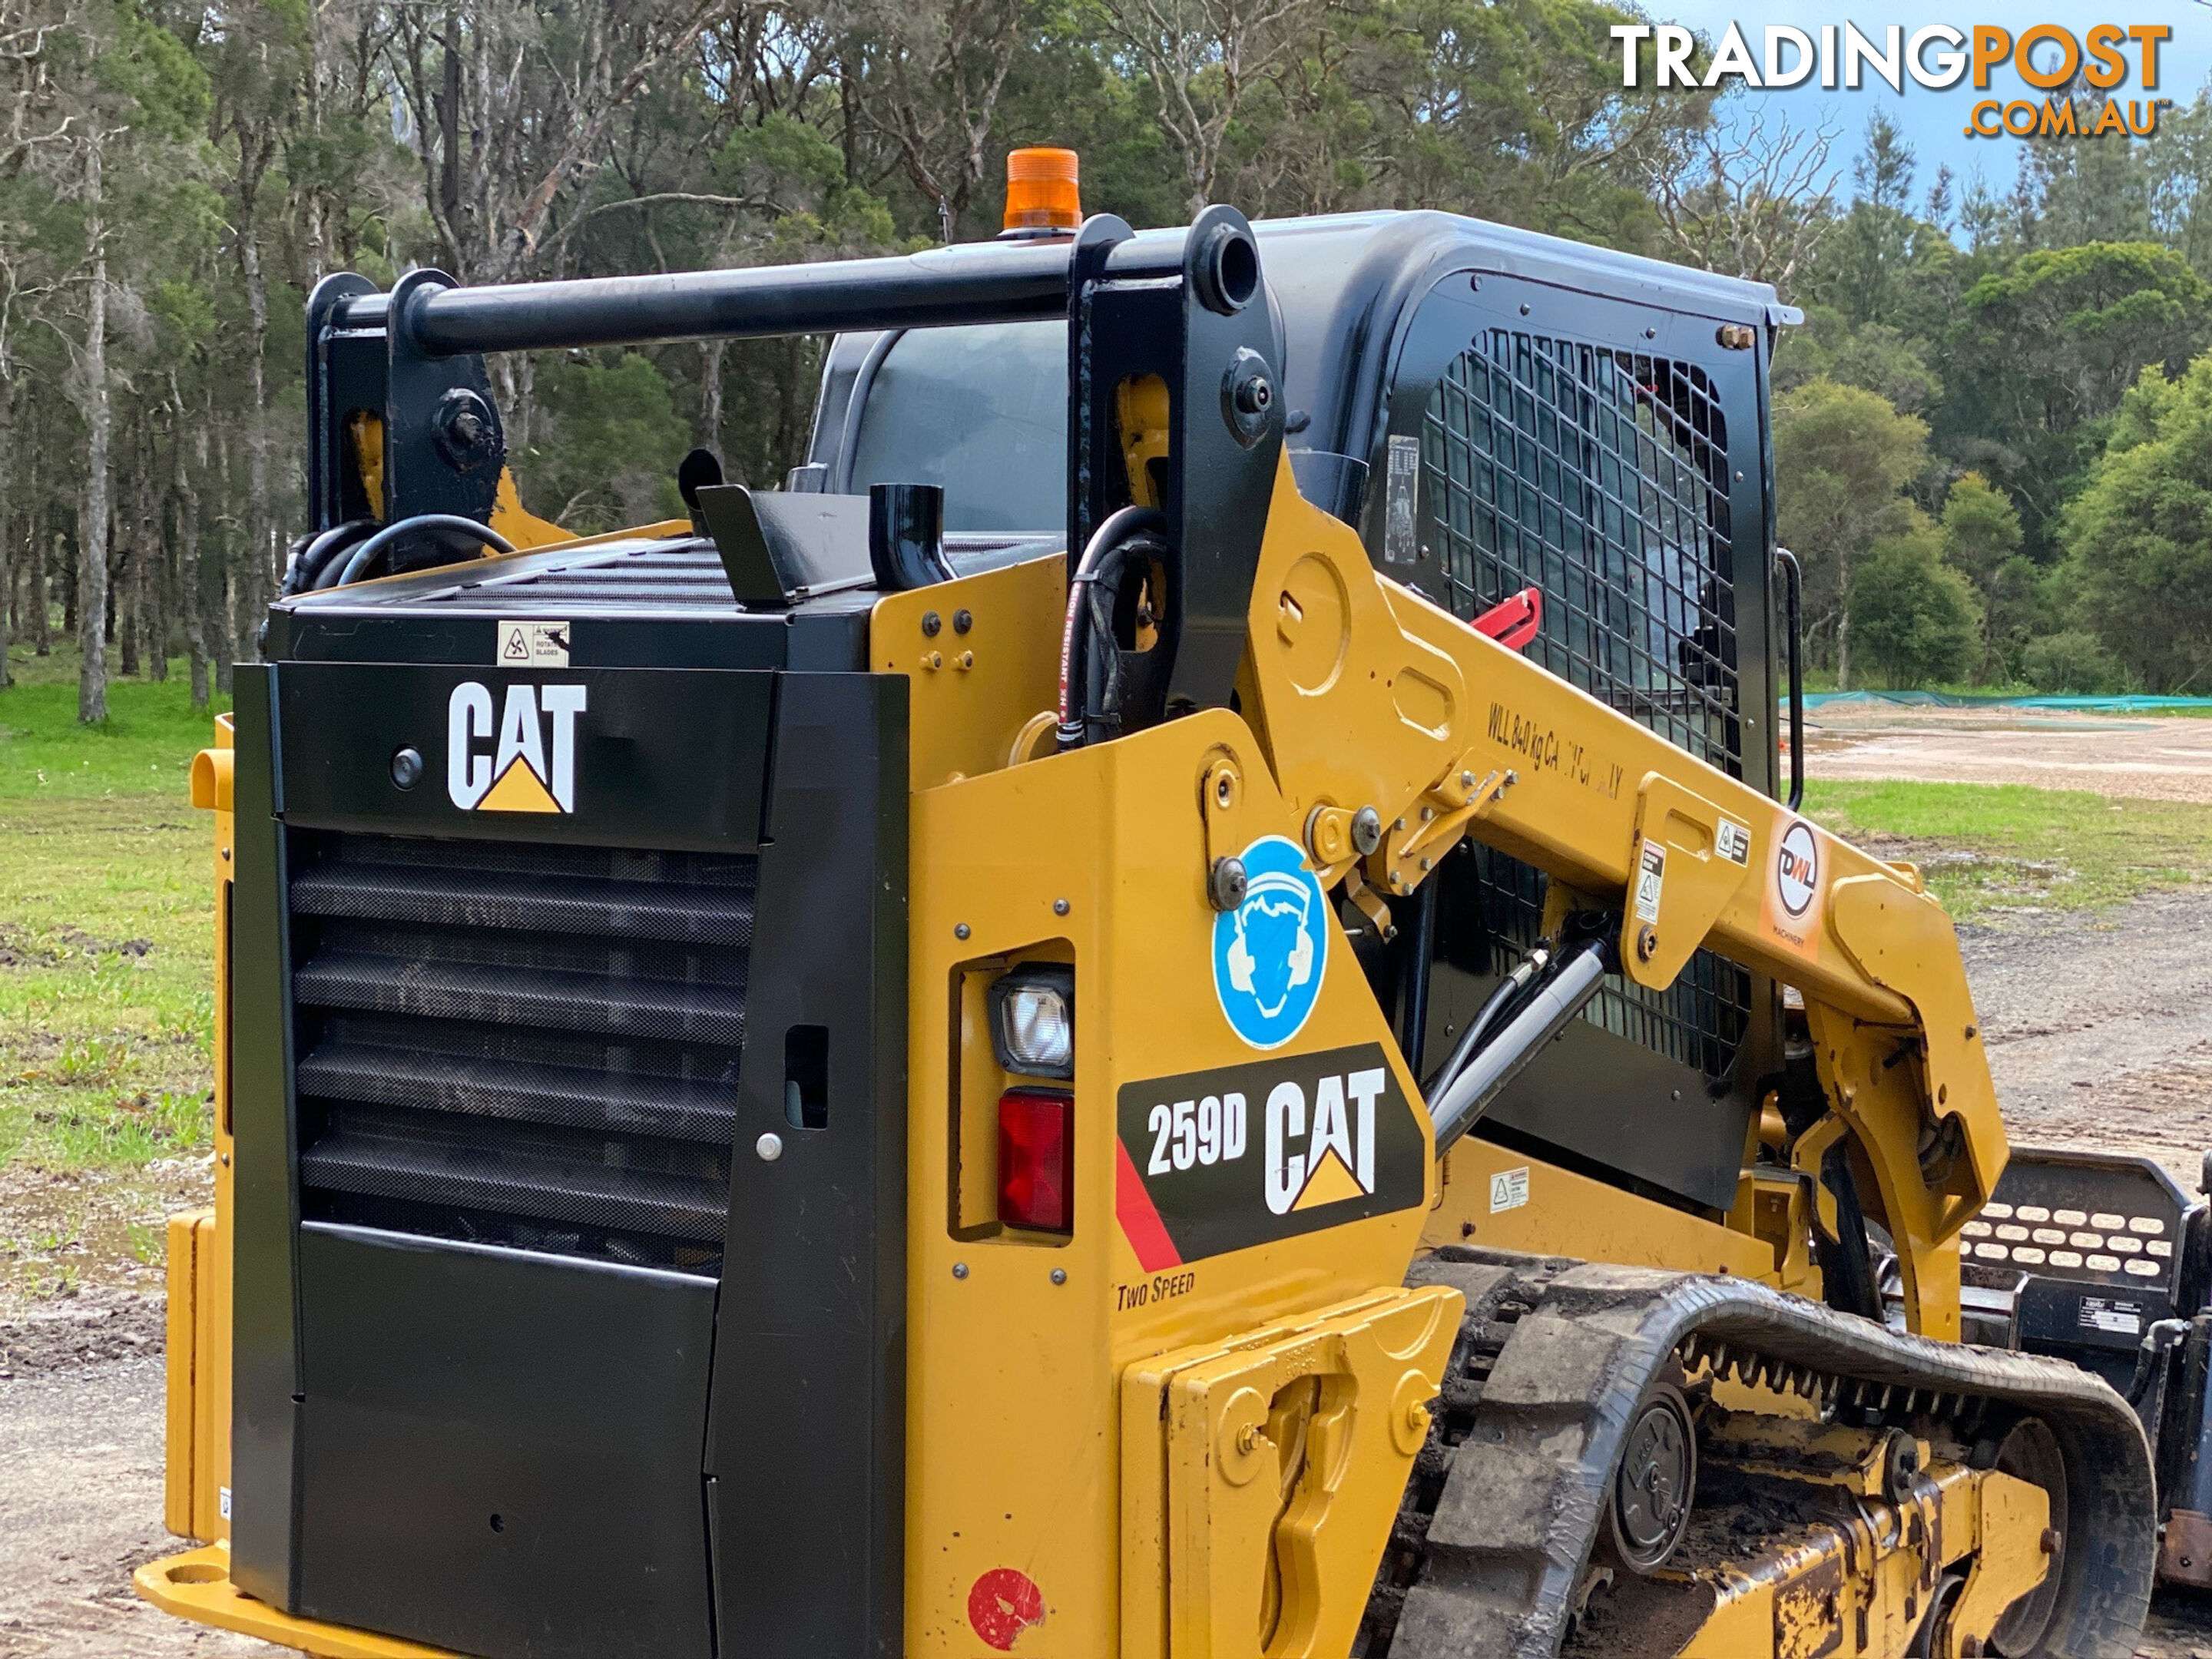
[1509, 1190]
[1650, 880]
[1733, 842]
[533, 644]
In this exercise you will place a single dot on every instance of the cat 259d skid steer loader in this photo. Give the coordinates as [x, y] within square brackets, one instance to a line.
[1174, 1008]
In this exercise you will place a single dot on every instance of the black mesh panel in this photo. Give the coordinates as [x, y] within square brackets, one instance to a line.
[535, 1046]
[1601, 478]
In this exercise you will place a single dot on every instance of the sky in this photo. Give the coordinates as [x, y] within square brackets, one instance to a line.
[1934, 122]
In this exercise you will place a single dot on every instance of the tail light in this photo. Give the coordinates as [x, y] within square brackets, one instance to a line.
[1037, 1160]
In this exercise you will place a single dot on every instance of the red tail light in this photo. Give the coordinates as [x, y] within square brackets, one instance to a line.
[1037, 1160]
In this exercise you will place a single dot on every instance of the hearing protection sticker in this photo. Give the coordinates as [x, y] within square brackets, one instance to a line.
[1797, 886]
[1271, 951]
[1216, 1161]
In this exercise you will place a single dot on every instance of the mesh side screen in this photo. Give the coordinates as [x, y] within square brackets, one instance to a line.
[1601, 478]
[536, 1046]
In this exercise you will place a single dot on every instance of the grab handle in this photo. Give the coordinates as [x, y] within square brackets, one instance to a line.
[1793, 583]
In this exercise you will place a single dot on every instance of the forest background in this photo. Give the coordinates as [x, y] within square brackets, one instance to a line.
[1993, 433]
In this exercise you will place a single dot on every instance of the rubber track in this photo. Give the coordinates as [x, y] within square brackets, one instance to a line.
[1554, 1355]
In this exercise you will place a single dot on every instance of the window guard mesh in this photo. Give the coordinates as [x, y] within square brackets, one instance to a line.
[1601, 478]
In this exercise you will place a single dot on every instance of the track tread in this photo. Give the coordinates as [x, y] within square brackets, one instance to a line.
[1553, 1355]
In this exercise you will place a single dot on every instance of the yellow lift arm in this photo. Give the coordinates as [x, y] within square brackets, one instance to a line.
[1366, 696]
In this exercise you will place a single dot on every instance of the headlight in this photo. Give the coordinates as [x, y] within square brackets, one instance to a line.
[1033, 1020]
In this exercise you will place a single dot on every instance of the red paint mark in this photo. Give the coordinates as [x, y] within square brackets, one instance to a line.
[1140, 1221]
[1005, 1602]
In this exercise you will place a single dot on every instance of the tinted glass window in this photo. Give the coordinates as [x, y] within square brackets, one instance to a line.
[982, 411]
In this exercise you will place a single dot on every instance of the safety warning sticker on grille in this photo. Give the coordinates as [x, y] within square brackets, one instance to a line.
[2113, 1314]
[1216, 1161]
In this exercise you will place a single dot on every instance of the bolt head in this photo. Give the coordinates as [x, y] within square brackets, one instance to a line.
[1226, 884]
[407, 769]
[960, 1270]
[1367, 831]
[963, 620]
[769, 1147]
[960, 930]
[930, 624]
[1060, 1275]
[1060, 906]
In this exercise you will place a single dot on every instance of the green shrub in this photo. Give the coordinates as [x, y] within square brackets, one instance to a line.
[2071, 664]
[1913, 619]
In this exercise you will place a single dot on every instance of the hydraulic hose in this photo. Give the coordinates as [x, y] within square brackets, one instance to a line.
[1131, 529]
[319, 552]
[1552, 1003]
[1507, 991]
[358, 564]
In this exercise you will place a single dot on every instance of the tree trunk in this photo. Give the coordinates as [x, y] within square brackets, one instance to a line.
[253, 581]
[42, 632]
[1843, 622]
[226, 652]
[7, 521]
[154, 605]
[129, 597]
[710, 395]
[188, 552]
[92, 542]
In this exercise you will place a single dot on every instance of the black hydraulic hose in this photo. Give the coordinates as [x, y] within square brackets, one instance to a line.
[1110, 543]
[1555, 1000]
[318, 552]
[1793, 587]
[1503, 996]
[1846, 1262]
[2164, 1336]
[435, 521]
[1420, 942]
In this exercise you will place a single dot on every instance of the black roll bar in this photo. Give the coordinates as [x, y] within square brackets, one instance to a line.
[981, 282]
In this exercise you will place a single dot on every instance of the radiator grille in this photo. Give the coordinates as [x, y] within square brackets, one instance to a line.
[535, 1046]
[1601, 478]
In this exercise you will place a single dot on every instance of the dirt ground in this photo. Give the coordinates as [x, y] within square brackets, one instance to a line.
[2150, 758]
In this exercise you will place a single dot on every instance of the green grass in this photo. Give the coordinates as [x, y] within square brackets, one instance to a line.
[106, 935]
[145, 747]
[1989, 847]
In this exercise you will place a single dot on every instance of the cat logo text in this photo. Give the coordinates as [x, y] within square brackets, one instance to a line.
[1211, 1162]
[513, 754]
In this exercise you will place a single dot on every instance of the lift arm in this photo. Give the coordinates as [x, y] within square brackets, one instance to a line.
[1366, 696]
